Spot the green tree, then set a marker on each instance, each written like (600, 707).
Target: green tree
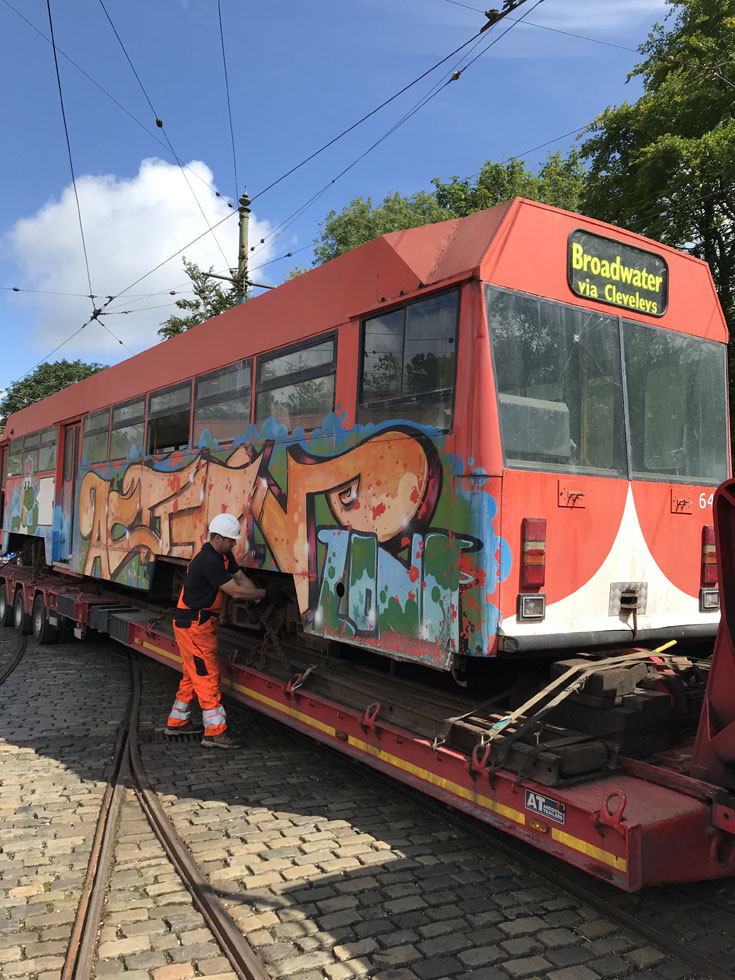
(559, 182)
(361, 221)
(44, 381)
(294, 273)
(210, 299)
(664, 166)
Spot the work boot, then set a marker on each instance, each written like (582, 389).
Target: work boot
(188, 729)
(222, 741)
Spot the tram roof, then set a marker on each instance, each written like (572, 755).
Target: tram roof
(520, 245)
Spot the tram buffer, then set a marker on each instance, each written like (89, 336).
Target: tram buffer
(211, 573)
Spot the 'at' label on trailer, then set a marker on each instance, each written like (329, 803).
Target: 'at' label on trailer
(546, 807)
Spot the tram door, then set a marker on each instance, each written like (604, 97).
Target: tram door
(72, 439)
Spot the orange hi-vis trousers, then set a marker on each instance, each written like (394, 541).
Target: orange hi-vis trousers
(198, 648)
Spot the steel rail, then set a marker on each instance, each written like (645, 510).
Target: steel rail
(126, 768)
(245, 963)
(79, 960)
(20, 653)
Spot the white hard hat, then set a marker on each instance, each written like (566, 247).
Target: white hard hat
(225, 524)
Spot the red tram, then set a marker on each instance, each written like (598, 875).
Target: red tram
(489, 441)
(492, 435)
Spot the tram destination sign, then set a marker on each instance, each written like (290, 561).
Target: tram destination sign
(608, 271)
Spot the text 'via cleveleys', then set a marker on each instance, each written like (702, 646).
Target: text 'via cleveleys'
(611, 272)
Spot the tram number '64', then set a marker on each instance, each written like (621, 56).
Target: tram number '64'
(705, 501)
(546, 807)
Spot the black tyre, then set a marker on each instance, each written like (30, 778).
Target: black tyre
(21, 619)
(6, 608)
(43, 631)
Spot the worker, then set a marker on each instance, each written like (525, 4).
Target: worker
(212, 572)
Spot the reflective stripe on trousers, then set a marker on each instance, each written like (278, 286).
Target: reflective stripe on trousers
(198, 648)
(179, 714)
(213, 717)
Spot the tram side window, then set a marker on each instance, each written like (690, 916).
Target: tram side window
(128, 429)
(409, 363)
(169, 413)
(296, 386)
(558, 377)
(95, 436)
(30, 451)
(15, 457)
(47, 451)
(222, 403)
(677, 401)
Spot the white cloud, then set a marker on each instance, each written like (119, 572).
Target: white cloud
(130, 225)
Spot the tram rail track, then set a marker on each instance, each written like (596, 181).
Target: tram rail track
(127, 769)
(20, 653)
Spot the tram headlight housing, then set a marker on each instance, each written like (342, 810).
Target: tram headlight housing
(709, 600)
(531, 606)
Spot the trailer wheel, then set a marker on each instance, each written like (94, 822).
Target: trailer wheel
(6, 609)
(43, 631)
(21, 619)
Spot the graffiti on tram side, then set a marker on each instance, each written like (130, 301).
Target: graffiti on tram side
(30, 505)
(383, 545)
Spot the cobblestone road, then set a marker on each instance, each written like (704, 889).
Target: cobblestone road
(327, 873)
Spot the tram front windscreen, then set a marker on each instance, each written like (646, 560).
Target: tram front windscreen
(584, 392)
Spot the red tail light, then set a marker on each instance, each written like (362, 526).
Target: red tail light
(709, 555)
(533, 552)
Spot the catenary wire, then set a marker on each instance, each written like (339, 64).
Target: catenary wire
(227, 90)
(431, 94)
(515, 156)
(327, 145)
(95, 312)
(310, 157)
(495, 40)
(104, 91)
(46, 292)
(364, 118)
(556, 30)
(68, 147)
(159, 123)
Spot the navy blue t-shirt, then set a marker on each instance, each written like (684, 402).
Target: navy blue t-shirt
(207, 573)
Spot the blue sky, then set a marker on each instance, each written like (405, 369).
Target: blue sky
(299, 74)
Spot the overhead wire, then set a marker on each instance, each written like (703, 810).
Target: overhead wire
(68, 148)
(556, 30)
(104, 91)
(311, 156)
(514, 156)
(261, 192)
(454, 75)
(326, 145)
(95, 312)
(227, 90)
(46, 292)
(301, 210)
(159, 123)
(364, 118)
